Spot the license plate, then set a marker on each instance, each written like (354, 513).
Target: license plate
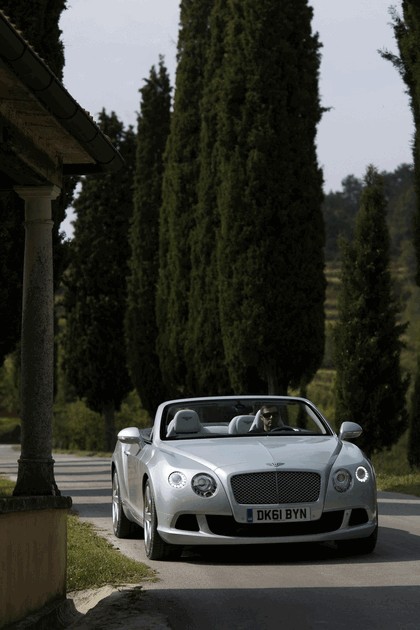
(278, 515)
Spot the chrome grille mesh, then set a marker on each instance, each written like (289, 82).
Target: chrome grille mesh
(276, 487)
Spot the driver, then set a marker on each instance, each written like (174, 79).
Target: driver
(270, 418)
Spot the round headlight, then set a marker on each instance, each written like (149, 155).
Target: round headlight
(203, 485)
(362, 474)
(177, 479)
(341, 480)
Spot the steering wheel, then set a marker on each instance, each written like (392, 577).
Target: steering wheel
(283, 428)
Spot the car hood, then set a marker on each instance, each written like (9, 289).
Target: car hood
(259, 453)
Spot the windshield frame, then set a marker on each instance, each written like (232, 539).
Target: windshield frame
(227, 407)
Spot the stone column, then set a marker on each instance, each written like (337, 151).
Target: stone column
(36, 466)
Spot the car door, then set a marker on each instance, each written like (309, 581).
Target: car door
(135, 457)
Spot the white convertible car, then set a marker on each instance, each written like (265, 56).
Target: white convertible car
(243, 471)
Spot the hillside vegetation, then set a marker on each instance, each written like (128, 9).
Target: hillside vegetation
(340, 209)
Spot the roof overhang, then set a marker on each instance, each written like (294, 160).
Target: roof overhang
(44, 133)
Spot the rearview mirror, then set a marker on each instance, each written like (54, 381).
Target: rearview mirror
(131, 435)
(349, 431)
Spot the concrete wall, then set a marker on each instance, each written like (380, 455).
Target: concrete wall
(33, 554)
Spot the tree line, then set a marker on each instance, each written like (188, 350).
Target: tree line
(223, 234)
(199, 268)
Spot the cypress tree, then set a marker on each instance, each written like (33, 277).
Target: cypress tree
(414, 423)
(38, 21)
(11, 270)
(140, 322)
(95, 295)
(207, 373)
(270, 246)
(370, 386)
(180, 194)
(407, 35)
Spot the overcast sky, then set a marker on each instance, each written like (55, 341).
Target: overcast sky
(110, 46)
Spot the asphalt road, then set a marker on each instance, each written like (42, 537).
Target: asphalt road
(285, 586)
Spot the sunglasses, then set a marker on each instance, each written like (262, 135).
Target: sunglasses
(270, 414)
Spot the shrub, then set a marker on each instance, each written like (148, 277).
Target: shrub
(76, 427)
(132, 414)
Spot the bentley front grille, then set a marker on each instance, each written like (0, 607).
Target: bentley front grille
(276, 487)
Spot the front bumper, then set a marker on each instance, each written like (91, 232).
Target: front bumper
(201, 529)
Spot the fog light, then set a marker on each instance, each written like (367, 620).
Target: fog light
(177, 479)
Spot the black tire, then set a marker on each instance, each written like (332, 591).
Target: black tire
(156, 548)
(359, 546)
(123, 528)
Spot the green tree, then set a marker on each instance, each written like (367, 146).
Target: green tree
(414, 424)
(370, 385)
(39, 22)
(12, 238)
(340, 209)
(140, 322)
(180, 194)
(271, 238)
(207, 373)
(407, 35)
(95, 292)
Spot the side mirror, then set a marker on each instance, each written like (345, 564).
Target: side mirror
(349, 431)
(131, 435)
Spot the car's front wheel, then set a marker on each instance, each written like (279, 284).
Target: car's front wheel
(120, 523)
(156, 548)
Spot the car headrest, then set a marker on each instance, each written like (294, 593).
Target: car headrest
(240, 424)
(186, 421)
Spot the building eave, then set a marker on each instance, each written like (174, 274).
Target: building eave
(34, 100)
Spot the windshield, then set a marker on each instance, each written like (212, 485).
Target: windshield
(195, 419)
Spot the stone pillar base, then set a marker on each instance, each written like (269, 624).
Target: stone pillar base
(33, 556)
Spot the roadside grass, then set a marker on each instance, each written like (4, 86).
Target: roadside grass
(393, 471)
(6, 486)
(92, 561)
(406, 484)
